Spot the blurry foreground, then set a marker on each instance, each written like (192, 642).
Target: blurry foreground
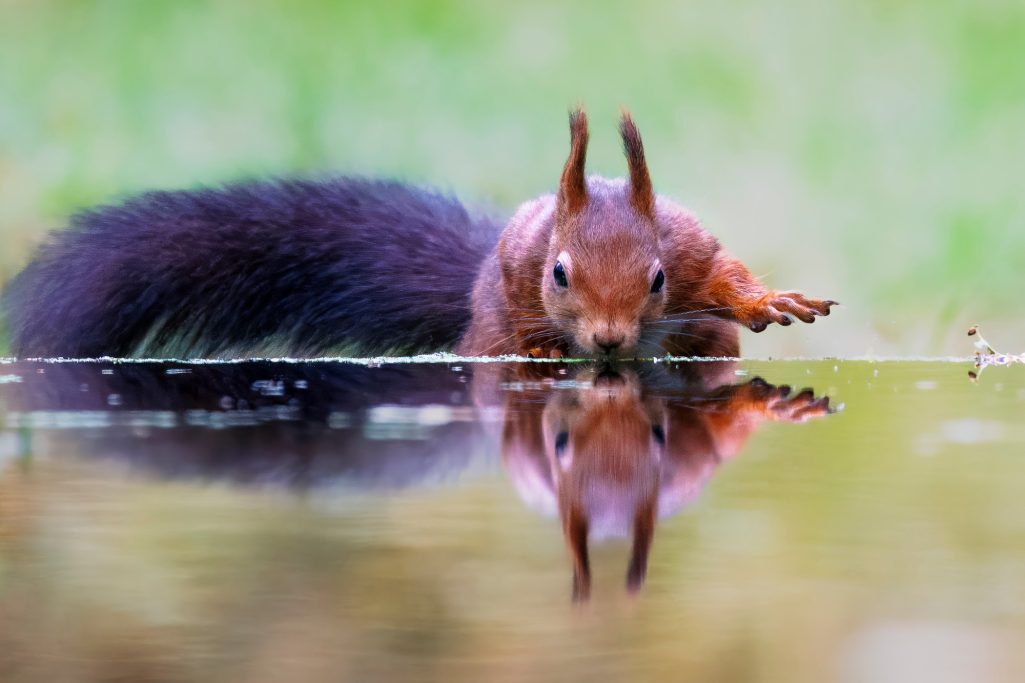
(325, 522)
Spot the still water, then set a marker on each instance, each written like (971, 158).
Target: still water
(716, 521)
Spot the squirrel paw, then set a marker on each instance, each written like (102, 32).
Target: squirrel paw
(799, 407)
(774, 307)
(778, 403)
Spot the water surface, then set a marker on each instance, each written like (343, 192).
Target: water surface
(336, 522)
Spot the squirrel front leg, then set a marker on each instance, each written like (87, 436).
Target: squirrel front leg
(553, 352)
(740, 296)
(738, 410)
(540, 342)
(770, 401)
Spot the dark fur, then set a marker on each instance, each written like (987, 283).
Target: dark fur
(219, 424)
(365, 265)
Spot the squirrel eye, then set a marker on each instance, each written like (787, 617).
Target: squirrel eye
(660, 280)
(559, 273)
(660, 436)
(561, 439)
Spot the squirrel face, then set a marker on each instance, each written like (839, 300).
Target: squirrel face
(603, 277)
(608, 442)
(595, 455)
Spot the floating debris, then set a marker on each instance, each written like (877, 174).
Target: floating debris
(986, 355)
(269, 387)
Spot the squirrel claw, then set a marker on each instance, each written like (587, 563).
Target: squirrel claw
(778, 307)
(779, 402)
(801, 407)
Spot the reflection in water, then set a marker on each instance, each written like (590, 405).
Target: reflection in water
(607, 449)
(618, 448)
(300, 426)
(323, 522)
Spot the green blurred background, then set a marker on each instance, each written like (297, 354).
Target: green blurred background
(869, 152)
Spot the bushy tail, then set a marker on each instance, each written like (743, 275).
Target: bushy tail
(300, 268)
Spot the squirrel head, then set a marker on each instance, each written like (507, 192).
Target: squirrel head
(603, 278)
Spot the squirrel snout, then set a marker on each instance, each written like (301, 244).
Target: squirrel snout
(607, 338)
(608, 343)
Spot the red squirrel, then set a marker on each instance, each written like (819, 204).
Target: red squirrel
(344, 265)
(614, 451)
(607, 268)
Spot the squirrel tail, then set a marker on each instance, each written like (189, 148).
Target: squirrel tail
(293, 267)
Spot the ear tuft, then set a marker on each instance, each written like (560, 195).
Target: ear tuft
(572, 188)
(575, 527)
(642, 197)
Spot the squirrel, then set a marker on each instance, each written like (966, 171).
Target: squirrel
(602, 268)
(608, 450)
(620, 448)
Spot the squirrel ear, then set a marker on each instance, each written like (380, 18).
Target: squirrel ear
(644, 530)
(575, 528)
(572, 189)
(642, 197)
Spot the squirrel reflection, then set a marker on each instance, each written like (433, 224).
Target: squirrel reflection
(613, 451)
(608, 450)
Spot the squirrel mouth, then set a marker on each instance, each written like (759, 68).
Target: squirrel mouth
(607, 376)
(613, 355)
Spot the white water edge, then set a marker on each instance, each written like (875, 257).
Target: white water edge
(453, 358)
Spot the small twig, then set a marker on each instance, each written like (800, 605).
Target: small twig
(986, 355)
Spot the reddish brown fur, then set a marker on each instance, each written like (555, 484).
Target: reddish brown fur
(572, 184)
(611, 238)
(642, 196)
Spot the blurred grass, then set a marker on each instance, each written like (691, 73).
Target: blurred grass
(868, 152)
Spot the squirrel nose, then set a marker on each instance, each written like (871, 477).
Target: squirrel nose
(608, 344)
